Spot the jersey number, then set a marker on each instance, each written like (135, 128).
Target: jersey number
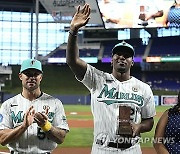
(40, 134)
(133, 116)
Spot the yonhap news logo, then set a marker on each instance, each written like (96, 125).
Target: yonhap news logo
(163, 140)
(104, 139)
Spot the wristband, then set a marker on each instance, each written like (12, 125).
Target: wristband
(47, 126)
(73, 33)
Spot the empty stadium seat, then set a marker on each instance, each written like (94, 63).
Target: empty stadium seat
(165, 46)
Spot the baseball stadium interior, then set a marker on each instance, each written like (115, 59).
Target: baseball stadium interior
(39, 29)
(32, 29)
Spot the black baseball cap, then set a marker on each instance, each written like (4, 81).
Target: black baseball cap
(124, 47)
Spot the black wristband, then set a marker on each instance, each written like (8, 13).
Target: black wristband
(73, 33)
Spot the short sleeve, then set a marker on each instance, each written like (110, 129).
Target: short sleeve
(91, 77)
(148, 110)
(60, 117)
(5, 119)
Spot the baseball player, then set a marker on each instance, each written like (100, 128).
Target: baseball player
(110, 91)
(32, 121)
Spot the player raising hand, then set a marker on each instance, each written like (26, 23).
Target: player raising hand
(111, 94)
(81, 18)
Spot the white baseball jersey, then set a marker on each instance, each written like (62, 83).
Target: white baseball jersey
(107, 94)
(33, 140)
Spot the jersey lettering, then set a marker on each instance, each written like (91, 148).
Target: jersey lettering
(17, 118)
(40, 133)
(51, 116)
(112, 96)
(133, 116)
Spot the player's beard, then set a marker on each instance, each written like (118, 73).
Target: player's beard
(31, 88)
(122, 70)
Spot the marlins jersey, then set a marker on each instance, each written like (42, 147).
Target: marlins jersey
(107, 94)
(33, 140)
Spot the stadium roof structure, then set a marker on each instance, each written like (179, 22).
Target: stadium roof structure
(61, 11)
(20, 5)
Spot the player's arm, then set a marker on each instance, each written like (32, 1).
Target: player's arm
(56, 134)
(147, 113)
(111, 19)
(159, 134)
(53, 133)
(79, 20)
(145, 126)
(155, 15)
(9, 135)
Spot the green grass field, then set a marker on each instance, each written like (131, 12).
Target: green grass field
(83, 137)
(60, 80)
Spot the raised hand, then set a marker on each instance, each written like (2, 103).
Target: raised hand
(80, 18)
(29, 117)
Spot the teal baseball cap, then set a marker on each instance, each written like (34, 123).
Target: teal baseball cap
(31, 63)
(123, 47)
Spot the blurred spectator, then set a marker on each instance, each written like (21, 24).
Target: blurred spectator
(111, 13)
(173, 16)
(167, 131)
(149, 10)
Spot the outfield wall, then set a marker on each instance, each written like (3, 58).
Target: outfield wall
(66, 99)
(166, 100)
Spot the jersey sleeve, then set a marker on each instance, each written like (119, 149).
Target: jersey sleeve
(5, 120)
(91, 77)
(148, 110)
(60, 117)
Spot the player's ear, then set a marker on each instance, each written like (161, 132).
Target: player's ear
(132, 63)
(111, 62)
(20, 76)
(41, 77)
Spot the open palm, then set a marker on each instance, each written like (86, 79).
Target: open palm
(81, 17)
(29, 117)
